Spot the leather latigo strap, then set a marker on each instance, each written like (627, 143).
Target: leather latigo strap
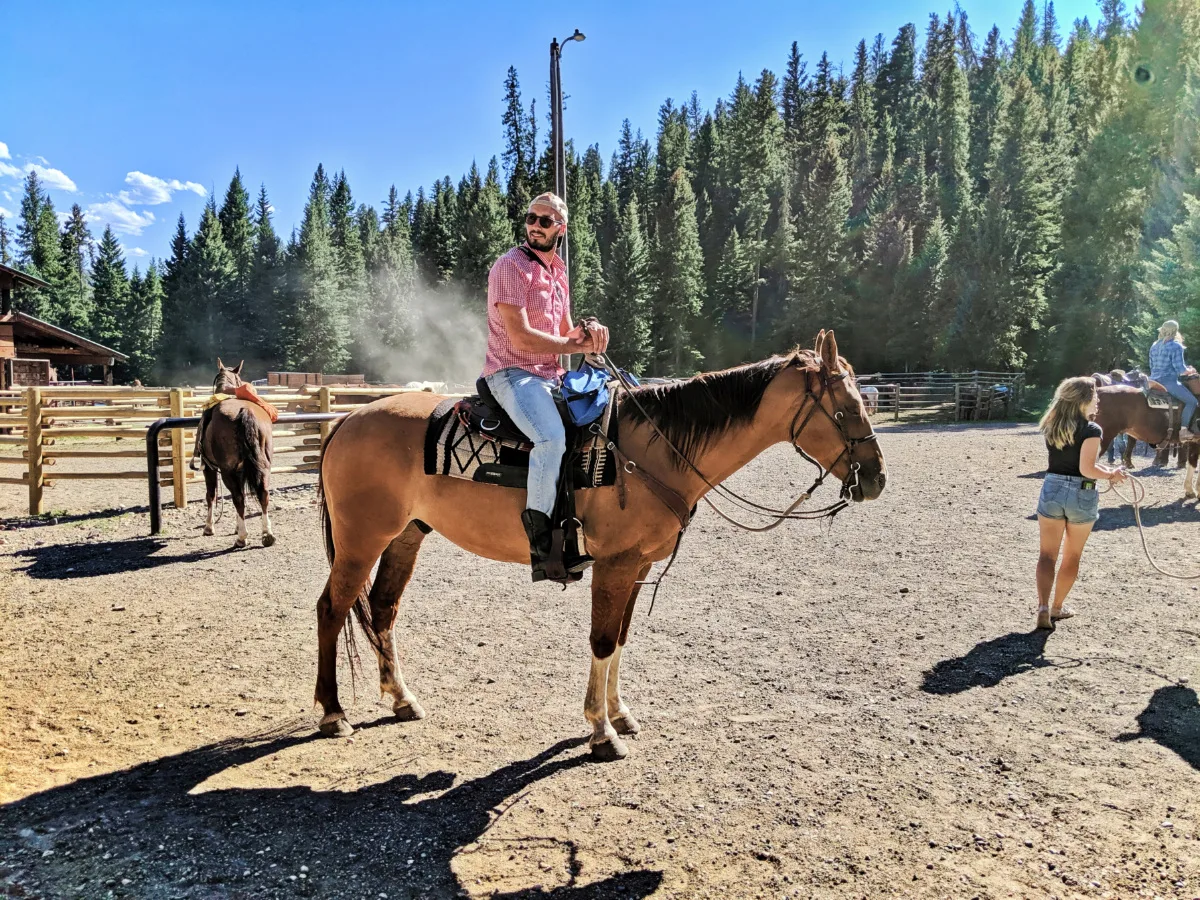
(670, 499)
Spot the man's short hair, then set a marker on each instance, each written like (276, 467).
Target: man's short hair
(552, 200)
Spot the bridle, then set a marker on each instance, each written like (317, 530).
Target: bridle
(838, 419)
(798, 425)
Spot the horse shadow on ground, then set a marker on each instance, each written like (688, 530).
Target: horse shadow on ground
(396, 838)
(87, 559)
(988, 663)
(1113, 518)
(1172, 719)
(48, 520)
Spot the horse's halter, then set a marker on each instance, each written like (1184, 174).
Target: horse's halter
(826, 380)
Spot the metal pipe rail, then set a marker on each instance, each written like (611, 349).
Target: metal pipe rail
(152, 461)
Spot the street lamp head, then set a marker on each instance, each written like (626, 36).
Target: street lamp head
(577, 36)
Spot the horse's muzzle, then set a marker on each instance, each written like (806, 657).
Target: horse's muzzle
(869, 487)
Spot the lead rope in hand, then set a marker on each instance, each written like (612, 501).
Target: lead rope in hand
(1138, 495)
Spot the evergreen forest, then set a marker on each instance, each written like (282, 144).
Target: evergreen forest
(1020, 199)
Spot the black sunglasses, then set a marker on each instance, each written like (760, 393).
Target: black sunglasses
(544, 221)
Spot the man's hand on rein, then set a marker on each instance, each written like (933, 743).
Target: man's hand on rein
(594, 338)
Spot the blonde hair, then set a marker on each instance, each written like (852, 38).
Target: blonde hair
(1066, 411)
(1169, 331)
(555, 202)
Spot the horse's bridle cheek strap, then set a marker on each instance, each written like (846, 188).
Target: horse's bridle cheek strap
(837, 418)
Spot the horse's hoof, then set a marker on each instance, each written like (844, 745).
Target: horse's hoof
(338, 727)
(408, 711)
(609, 751)
(1189, 495)
(268, 540)
(626, 724)
(208, 532)
(240, 543)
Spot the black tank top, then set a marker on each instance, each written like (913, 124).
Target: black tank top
(1066, 460)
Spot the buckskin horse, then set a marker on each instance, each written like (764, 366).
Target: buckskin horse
(377, 504)
(1125, 409)
(236, 442)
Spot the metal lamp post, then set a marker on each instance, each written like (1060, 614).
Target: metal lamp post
(556, 125)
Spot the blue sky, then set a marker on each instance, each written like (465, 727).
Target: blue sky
(137, 110)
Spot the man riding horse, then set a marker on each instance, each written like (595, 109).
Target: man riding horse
(529, 326)
(1166, 367)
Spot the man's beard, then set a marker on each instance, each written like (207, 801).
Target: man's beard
(545, 246)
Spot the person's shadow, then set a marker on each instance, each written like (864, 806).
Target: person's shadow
(988, 663)
(1171, 718)
(147, 824)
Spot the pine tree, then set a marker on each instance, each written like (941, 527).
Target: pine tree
(393, 280)
(144, 322)
(485, 233)
(179, 327)
(819, 275)
(73, 302)
(727, 309)
(627, 294)
(988, 98)
(322, 339)
(518, 160)
(861, 152)
(238, 312)
(110, 283)
(350, 264)
(680, 287)
(32, 201)
(274, 322)
(5, 243)
(213, 276)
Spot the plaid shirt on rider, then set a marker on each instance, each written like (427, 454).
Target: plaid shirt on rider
(1166, 360)
(541, 287)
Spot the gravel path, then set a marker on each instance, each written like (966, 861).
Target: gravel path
(861, 710)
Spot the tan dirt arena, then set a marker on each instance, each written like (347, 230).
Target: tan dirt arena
(860, 710)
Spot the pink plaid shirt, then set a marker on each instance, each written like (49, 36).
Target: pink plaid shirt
(541, 287)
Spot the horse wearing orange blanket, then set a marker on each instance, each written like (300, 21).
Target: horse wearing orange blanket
(235, 441)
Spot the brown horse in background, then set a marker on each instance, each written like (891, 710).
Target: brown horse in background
(378, 504)
(236, 442)
(1124, 409)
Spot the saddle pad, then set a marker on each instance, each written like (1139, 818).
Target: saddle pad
(458, 451)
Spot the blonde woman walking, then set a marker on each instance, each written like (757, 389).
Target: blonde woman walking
(1069, 503)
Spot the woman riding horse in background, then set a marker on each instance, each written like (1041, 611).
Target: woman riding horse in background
(1166, 365)
(1069, 504)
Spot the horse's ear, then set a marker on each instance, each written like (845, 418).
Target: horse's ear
(818, 341)
(220, 365)
(238, 370)
(829, 351)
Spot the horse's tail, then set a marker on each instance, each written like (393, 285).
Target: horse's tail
(255, 464)
(362, 605)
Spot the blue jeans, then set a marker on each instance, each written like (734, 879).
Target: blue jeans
(1180, 391)
(528, 400)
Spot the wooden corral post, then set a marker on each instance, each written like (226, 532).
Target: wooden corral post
(33, 440)
(324, 399)
(178, 473)
(957, 401)
(896, 409)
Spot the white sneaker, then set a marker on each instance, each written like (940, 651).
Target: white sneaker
(1186, 435)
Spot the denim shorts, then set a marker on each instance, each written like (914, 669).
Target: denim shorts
(1063, 497)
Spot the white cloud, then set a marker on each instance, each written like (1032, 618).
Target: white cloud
(122, 219)
(52, 178)
(134, 251)
(147, 190)
(4, 154)
(6, 194)
(7, 213)
(9, 170)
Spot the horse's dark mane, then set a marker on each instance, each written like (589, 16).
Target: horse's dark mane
(697, 411)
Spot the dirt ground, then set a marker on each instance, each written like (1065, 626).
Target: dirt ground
(861, 710)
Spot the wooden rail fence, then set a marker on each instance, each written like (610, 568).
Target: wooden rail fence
(39, 427)
(960, 395)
